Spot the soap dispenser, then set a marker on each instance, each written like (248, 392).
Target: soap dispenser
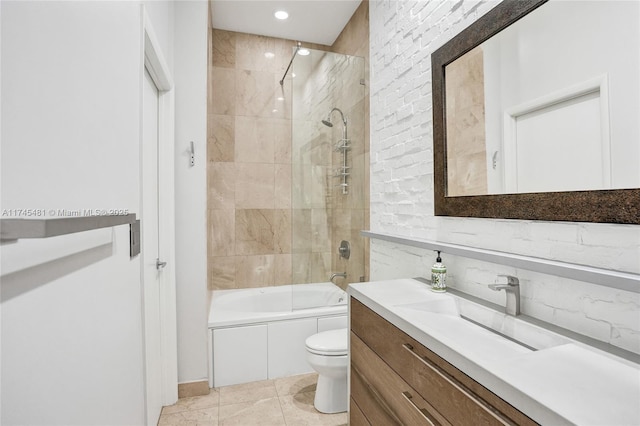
(439, 276)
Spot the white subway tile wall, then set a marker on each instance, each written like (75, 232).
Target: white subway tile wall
(403, 36)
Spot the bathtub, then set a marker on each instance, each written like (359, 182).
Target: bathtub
(259, 333)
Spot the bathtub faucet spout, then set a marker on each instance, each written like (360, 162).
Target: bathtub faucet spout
(337, 274)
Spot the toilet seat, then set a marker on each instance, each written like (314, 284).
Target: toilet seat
(329, 343)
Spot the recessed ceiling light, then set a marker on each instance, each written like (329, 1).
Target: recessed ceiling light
(269, 55)
(281, 14)
(280, 98)
(303, 51)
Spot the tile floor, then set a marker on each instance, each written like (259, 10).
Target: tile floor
(279, 402)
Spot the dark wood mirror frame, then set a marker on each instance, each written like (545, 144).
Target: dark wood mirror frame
(605, 206)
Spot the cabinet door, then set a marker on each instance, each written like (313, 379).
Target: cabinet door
(287, 352)
(239, 355)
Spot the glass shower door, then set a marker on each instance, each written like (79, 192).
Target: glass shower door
(329, 200)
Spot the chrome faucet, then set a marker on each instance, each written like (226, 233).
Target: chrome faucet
(512, 288)
(337, 274)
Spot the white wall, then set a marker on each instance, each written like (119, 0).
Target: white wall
(191, 192)
(71, 318)
(403, 35)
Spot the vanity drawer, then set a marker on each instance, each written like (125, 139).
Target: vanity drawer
(356, 416)
(396, 401)
(368, 401)
(460, 399)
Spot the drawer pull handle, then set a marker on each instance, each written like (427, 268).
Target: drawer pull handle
(453, 382)
(423, 411)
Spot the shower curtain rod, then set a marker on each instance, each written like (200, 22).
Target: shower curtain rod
(298, 46)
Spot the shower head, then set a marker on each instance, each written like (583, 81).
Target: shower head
(328, 122)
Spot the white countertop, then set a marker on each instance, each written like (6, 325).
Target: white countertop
(565, 383)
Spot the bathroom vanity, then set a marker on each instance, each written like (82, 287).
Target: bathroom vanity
(391, 369)
(418, 358)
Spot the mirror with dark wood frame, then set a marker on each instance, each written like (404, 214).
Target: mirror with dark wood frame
(601, 205)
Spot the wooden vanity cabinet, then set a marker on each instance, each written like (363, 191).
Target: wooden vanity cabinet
(397, 380)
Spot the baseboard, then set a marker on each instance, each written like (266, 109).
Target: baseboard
(200, 388)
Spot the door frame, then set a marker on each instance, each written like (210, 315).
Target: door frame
(153, 60)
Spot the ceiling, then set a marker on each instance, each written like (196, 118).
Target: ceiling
(311, 21)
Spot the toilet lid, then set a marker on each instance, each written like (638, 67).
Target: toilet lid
(332, 342)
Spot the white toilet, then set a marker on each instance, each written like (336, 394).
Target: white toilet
(327, 354)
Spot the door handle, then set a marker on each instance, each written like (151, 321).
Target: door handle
(160, 265)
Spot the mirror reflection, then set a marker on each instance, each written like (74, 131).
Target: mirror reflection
(549, 104)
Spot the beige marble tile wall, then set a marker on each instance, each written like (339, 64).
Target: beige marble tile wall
(249, 155)
(255, 211)
(466, 147)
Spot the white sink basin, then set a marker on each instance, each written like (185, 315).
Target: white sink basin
(443, 305)
(511, 327)
(443, 320)
(478, 316)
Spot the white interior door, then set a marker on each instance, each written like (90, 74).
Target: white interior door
(151, 265)
(547, 143)
(561, 131)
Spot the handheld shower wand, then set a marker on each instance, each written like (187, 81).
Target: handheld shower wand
(342, 145)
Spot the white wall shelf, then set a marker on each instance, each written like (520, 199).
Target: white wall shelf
(606, 277)
(14, 229)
